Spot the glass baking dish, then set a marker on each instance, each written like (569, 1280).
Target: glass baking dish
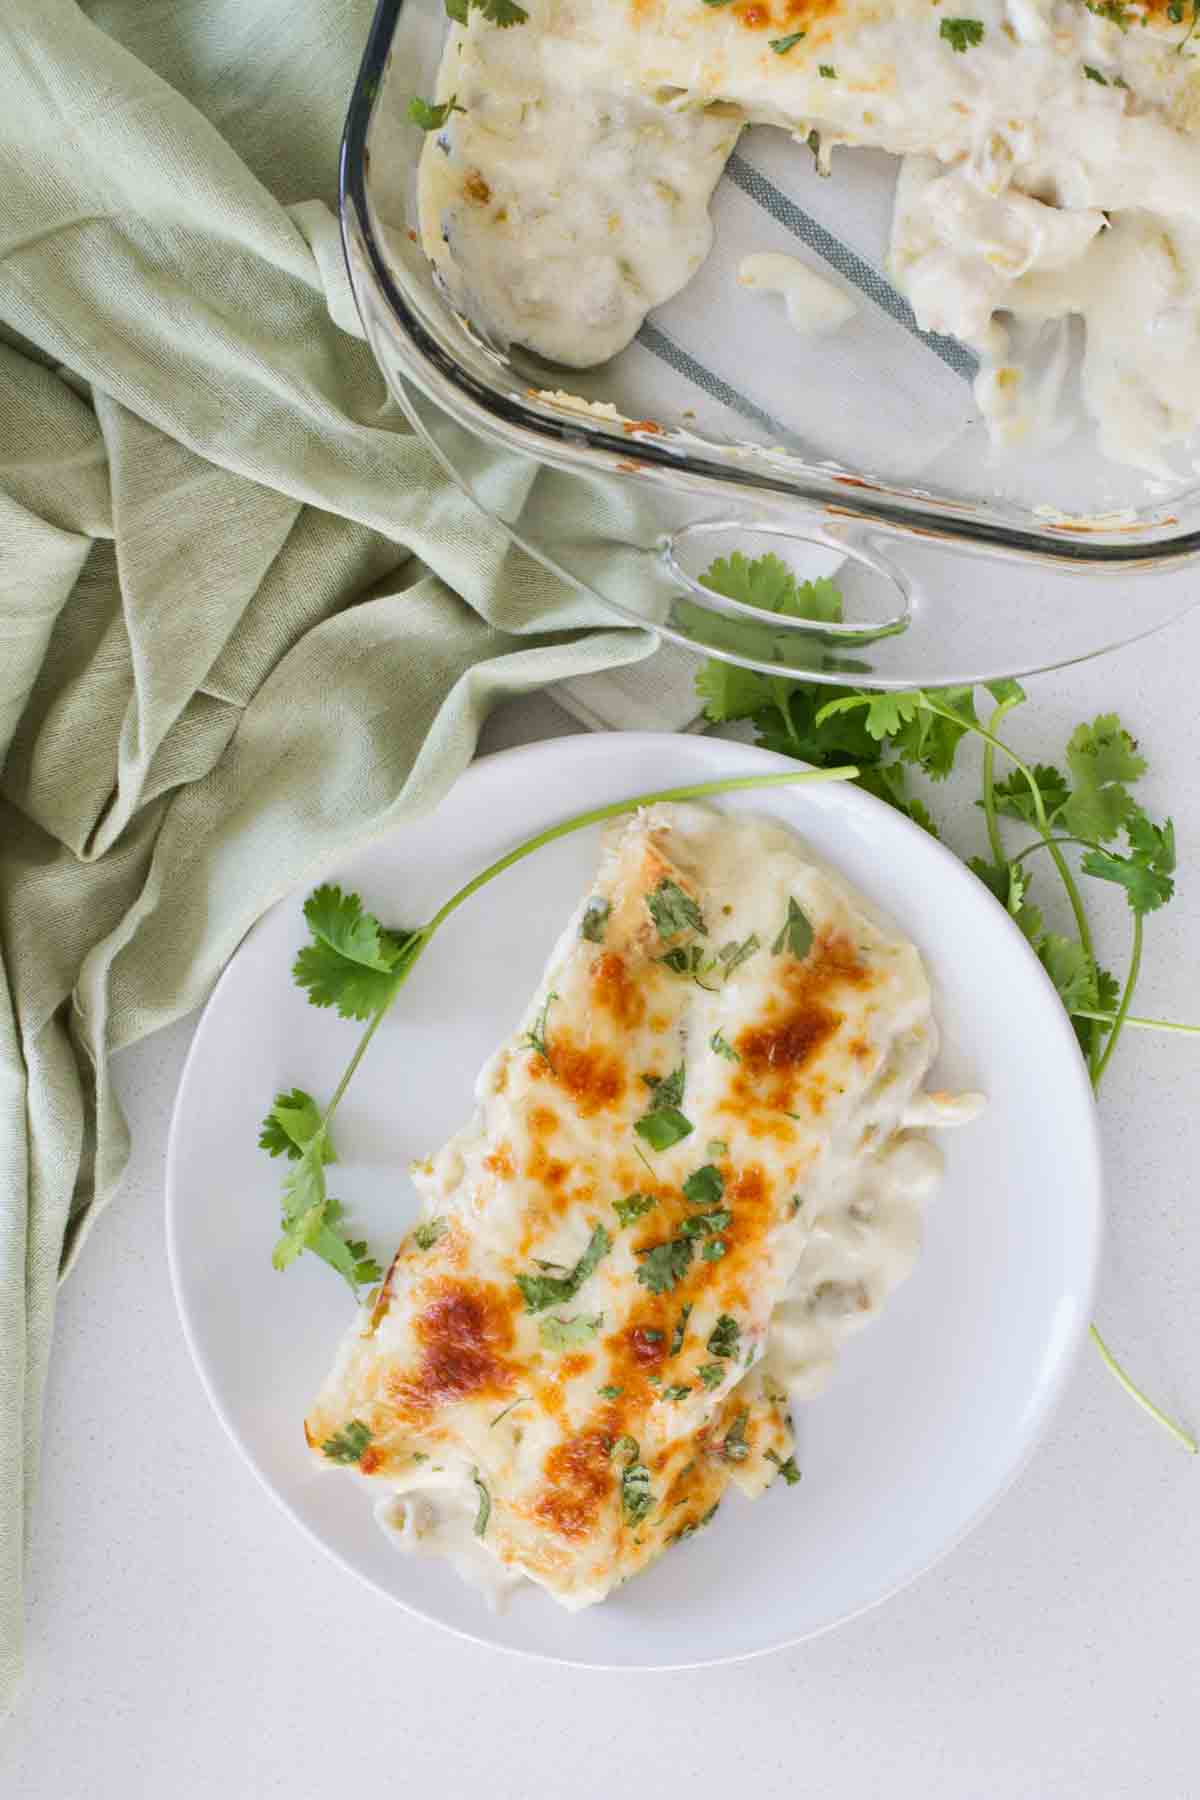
(719, 430)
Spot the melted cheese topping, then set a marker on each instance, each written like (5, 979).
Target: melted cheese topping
(1058, 175)
(605, 1425)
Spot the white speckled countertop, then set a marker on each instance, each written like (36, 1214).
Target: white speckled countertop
(186, 1641)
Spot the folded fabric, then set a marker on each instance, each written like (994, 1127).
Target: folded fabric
(244, 621)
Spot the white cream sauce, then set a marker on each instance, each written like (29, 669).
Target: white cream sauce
(814, 305)
(571, 195)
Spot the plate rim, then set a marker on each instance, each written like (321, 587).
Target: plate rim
(1051, 1394)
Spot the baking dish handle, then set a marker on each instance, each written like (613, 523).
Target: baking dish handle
(878, 595)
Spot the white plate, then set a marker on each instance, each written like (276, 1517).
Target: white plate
(932, 1412)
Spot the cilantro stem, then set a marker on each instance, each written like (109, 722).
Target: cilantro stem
(1045, 843)
(989, 780)
(1135, 1393)
(1135, 963)
(1132, 1020)
(694, 791)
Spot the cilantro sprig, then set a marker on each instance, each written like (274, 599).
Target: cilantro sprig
(356, 967)
(1082, 817)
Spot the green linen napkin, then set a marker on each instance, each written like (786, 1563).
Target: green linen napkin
(244, 622)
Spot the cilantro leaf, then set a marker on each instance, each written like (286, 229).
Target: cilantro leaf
(782, 45)
(558, 1333)
(1108, 993)
(1015, 801)
(595, 919)
(679, 1392)
(665, 1126)
(961, 34)
(664, 1267)
(501, 12)
(931, 739)
(1070, 969)
(884, 715)
(732, 955)
(666, 1089)
(720, 1043)
(729, 692)
(1146, 872)
(292, 1123)
(711, 1374)
(1102, 757)
(691, 963)
(766, 582)
(352, 962)
(634, 1206)
(796, 934)
(428, 1232)
(672, 910)
(704, 1186)
(542, 1291)
(427, 116)
(704, 1224)
(713, 1250)
(609, 1392)
(348, 1444)
(724, 1336)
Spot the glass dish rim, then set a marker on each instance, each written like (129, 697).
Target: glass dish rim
(584, 445)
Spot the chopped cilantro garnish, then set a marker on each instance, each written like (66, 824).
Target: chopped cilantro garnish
(665, 1265)
(723, 1338)
(673, 911)
(428, 117)
(720, 1043)
(677, 1336)
(711, 1374)
(535, 1037)
(782, 45)
(666, 1089)
(348, 1444)
(594, 923)
(428, 1232)
(713, 1250)
(828, 71)
(497, 12)
(664, 1124)
(484, 1511)
(705, 1224)
(734, 1447)
(961, 34)
(704, 1186)
(732, 955)
(663, 1128)
(541, 1291)
(796, 934)
(609, 1392)
(636, 1497)
(1094, 75)
(789, 1469)
(569, 1334)
(691, 963)
(678, 1392)
(634, 1206)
